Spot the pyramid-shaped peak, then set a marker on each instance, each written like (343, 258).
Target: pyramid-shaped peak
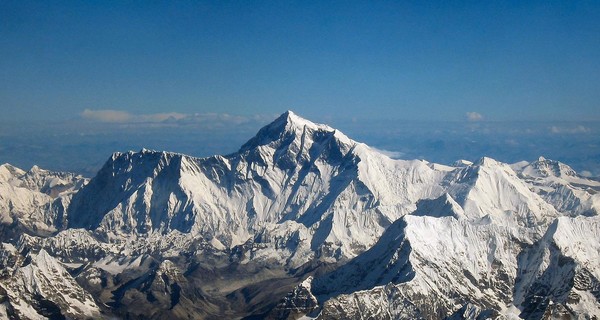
(289, 124)
(291, 120)
(45, 261)
(443, 206)
(289, 113)
(8, 170)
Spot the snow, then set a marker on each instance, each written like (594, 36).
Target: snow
(47, 278)
(578, 238)
(560, 186)
(111, 265)
(36, 198)
(408, 235)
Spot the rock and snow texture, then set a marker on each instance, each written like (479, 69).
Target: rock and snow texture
(560, 186)
(559, 274)
(44, 289)
(306, 189)
(35, 200)
(303, 221)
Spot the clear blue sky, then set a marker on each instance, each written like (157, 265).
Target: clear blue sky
(373, 59)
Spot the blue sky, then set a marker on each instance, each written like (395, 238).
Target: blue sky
(521, 60)
(439, 81)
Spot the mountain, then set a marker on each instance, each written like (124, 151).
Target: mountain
(300, 221)
(431, 267)
(306, 190)
(34, 201)
(560, 186)
(43, 289)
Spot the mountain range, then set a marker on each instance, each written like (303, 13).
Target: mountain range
(301, 222)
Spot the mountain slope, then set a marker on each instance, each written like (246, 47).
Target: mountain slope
(492, 191)
(43, 288)
(34, 201)
(295, 182)
(560, 186)
(301, 220)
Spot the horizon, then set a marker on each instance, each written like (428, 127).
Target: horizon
(83, 146)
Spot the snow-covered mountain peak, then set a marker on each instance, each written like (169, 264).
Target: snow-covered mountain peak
(487, 162)
(45, 279)
(492, 190)
(164, 235)
(35, 200)
(544, 168)
(294, 120)
(561, 186)
(40, 180)
(44, 261)
(126, 178)
(131, 154)
(290, 127)
(9, 172)
(10, 168)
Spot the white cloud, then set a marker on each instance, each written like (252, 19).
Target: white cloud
(113, 116)
(170, 118)
(118, 116)
(160, 117)
(571, 130)
(391, 154)
(586, 173)
(474, 116)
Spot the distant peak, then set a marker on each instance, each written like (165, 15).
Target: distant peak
(289, 113)
(553, 167)
(35, 170)
(10, 167)
(487, 161)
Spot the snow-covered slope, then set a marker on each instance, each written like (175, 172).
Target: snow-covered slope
(426, 267)
(432, 268)
(561, 186)
(303, 221)
(559, 275)
(35, 200)
(491, 191)
(43, 289)
(304, 188)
